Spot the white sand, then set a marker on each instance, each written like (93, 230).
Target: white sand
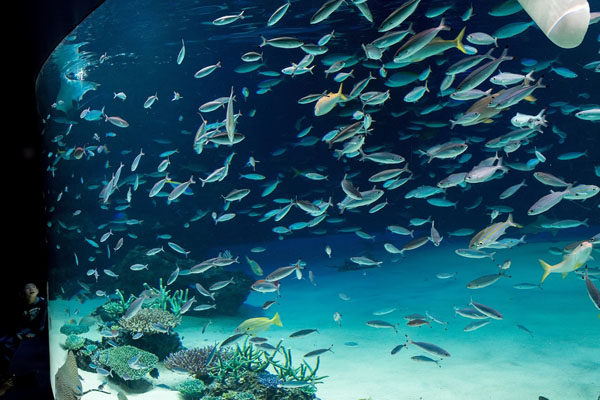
(498, 362)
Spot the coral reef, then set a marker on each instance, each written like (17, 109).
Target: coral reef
(115, 308)
(156, 325)
(268, 380)
(74, 329)
(117, 360)
(248, 385)
(243, 359)
(163, 299)
(196, 361)
(303, 373)
(233, 395)
(228, 299)
(159, 344)
(151, 320)
(192, 388)
(240, 373)
(74, 342)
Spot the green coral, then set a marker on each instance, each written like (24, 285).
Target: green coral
(192, 388)
(246, 359)
(243, 359)
(244, 396)
(303, 373)
(116, 308)
(233, 395)
(74, 329)
(117, 359)
(74, 342)
(89, 349)
(162, 297)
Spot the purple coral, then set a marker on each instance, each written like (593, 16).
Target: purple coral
(268, 380)
(193, 361)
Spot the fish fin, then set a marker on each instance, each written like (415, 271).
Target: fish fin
(458, 40)
(513, 223)
(276, 320)
(547, 269)
(577, 266)
(264, 41)
(564, 275)
(340, 94)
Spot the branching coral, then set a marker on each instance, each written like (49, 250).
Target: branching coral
(161, 297)
(196, 361)
(243, 359)
(115, 308)
(247, 359)
(303, 373)
(151, 320)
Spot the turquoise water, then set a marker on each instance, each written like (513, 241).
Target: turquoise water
(120, 85)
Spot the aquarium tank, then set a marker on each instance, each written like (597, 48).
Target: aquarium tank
(334, 200)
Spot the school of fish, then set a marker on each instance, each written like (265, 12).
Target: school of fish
(417, 64)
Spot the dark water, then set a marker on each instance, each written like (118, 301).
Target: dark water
(141, 42)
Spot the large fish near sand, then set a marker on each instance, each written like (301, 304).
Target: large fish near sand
(571, 262)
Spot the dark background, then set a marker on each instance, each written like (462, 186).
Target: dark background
(32, 30)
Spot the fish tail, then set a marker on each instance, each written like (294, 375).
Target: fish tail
(264, 41)
(547, 269)
(458, 40)
(513, 223)
(276, 320)
(443, 25)
(340, 92)
(539, 83)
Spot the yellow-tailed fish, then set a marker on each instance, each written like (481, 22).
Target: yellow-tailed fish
(570, 262)
(253, 325)
(438, 46)
(328, 102)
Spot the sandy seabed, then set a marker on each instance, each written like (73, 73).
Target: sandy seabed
(558, 358)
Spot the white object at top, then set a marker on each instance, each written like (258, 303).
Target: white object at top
(564, 22)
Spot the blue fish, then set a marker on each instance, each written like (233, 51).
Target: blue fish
(564, 72)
